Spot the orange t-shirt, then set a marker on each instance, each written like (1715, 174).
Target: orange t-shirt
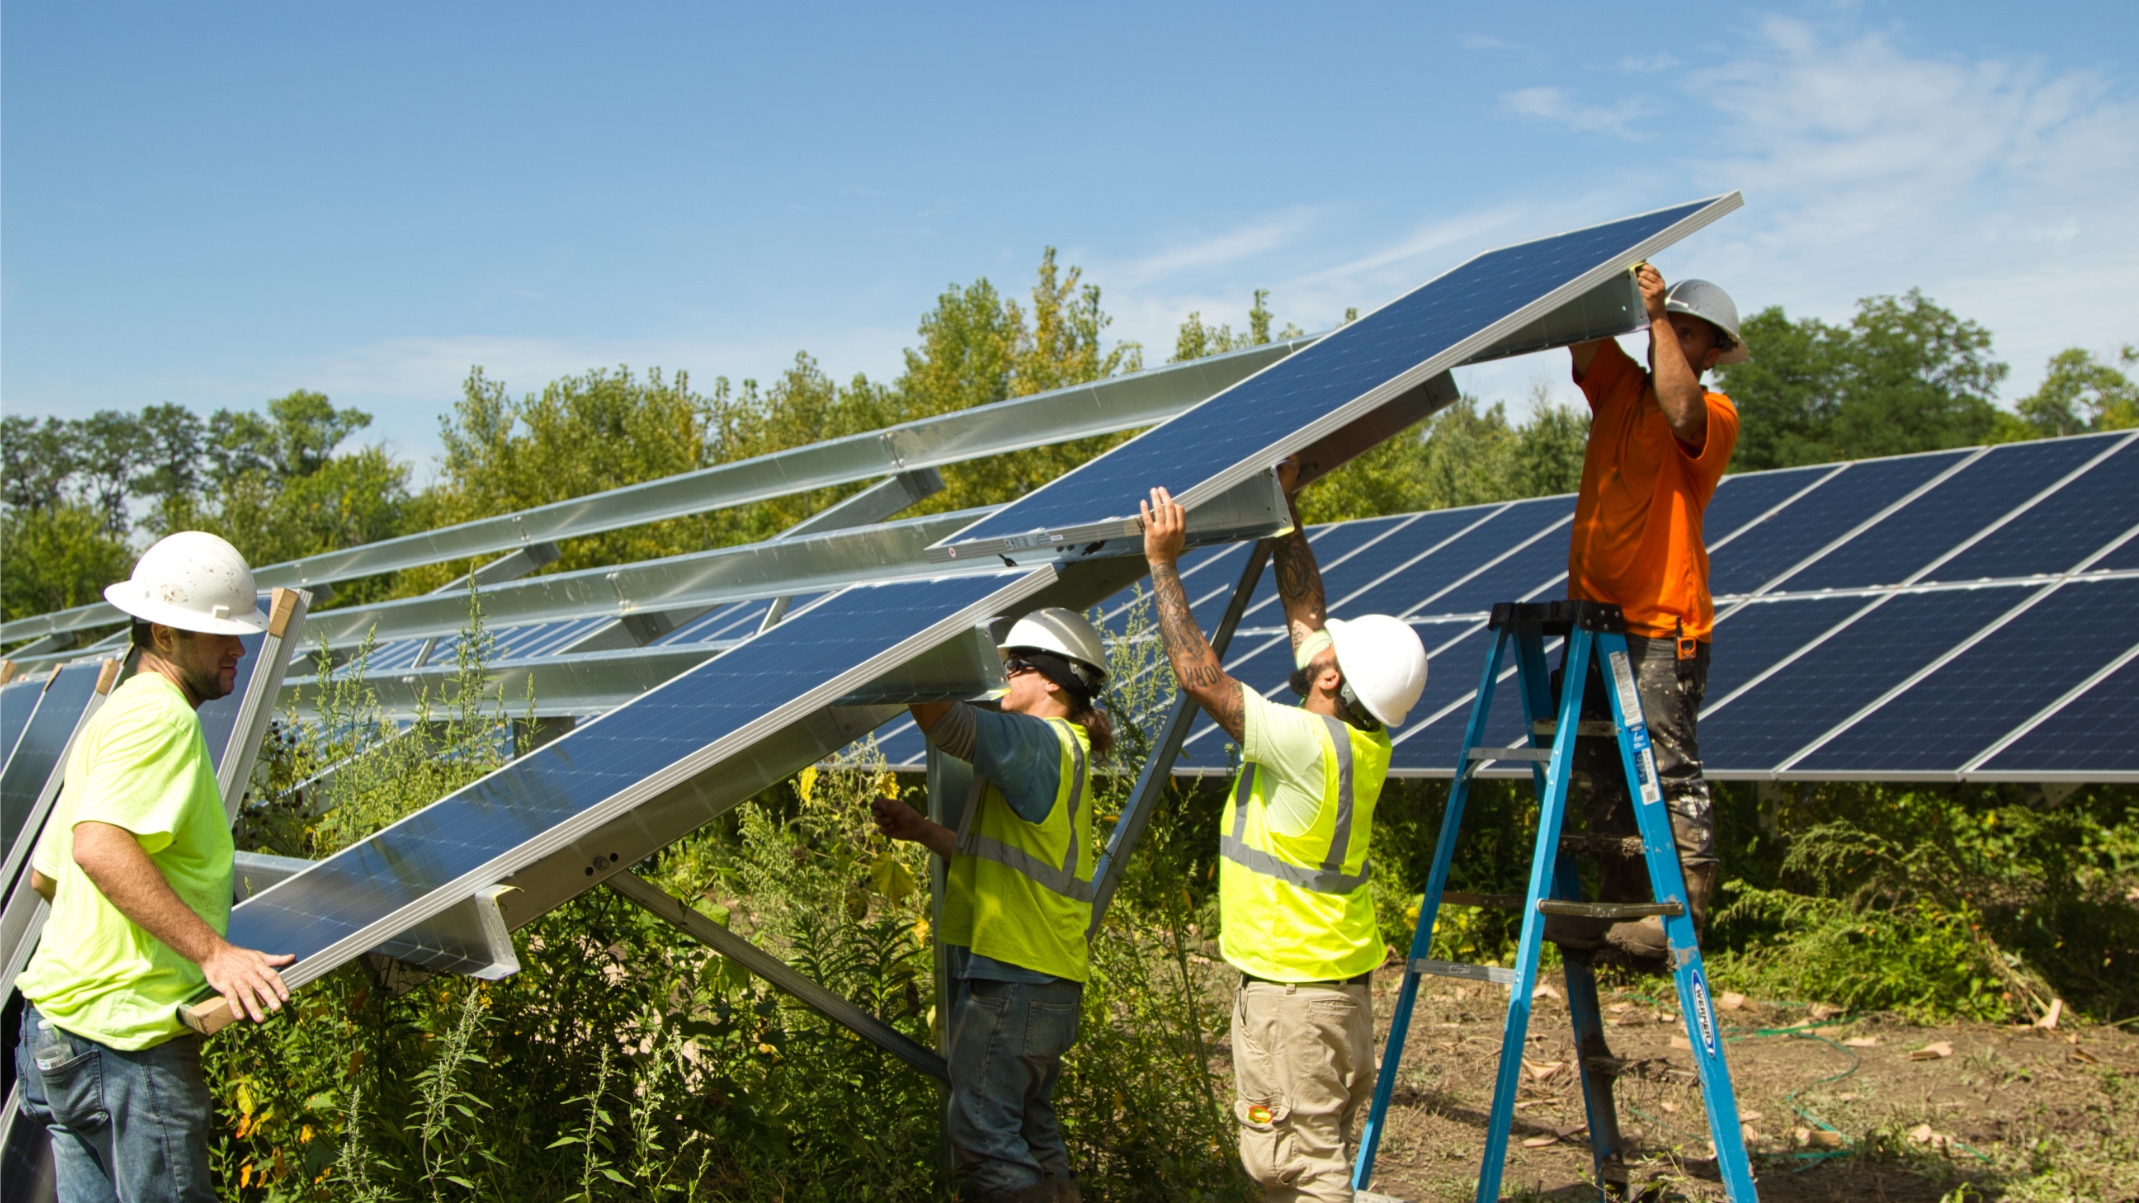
(1637, 534)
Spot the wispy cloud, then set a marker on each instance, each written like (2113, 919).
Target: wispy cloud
(1644, 64)
(2001, 188)
(1258, 236)
(1480, 41)
(1558, 106)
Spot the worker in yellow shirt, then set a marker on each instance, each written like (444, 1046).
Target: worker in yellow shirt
(136, 863)
(1296, 909)
(1018, 901)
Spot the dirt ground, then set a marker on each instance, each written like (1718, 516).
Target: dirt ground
(1856, 1108)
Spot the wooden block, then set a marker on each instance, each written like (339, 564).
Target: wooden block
(208, 1016)
(282, 604)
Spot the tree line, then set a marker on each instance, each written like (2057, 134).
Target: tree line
(80, 497)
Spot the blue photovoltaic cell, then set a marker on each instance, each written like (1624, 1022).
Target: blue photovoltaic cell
(1455, 657)
(1398, 544)
(2070, 525)
(1742, 498)
(1818, 518)
(695, 630)
(219, 718)
(2124, 559)
(901, 744)
(1958, 712)
(1757, 637)
(1955, 510)
(1527, 574)
(558, 781)
(2093, 733)
(17, 700)
(1781, 715)
(44, 740)
(1345, 365)
(1441, 571)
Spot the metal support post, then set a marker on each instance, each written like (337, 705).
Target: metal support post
(1158, 766)
(783, 978)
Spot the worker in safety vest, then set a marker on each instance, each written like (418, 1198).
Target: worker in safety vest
(136, 862)
(1296, 910)
(1658, 445)
(1018, 900)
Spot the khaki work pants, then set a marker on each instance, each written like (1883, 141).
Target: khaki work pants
(1303, 1068)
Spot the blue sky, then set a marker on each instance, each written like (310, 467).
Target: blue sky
(215, 205)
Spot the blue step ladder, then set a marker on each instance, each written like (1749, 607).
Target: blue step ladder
(1593, 632)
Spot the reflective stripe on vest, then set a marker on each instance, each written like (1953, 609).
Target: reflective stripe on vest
(1061, 880)
(1329, 879)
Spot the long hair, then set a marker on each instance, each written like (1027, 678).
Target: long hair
(1097, 726)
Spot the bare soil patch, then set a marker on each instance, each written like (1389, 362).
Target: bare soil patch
(1835, 1108)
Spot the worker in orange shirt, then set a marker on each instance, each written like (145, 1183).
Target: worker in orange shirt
(1658, 444)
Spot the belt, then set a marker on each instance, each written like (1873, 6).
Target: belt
(1360, 980)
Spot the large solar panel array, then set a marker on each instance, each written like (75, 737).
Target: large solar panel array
(720, 712)
(1969, 614)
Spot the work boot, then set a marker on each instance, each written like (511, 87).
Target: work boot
(1700, 887)
(1578, 937)
(1639, 944)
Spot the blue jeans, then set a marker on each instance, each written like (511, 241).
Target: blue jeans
(1007, 1041)
(126, 1127)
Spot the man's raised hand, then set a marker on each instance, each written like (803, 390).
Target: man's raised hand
(1651, 283)
(1165, 527)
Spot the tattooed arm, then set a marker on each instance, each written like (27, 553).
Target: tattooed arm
(1299, 582)
(1195, 665)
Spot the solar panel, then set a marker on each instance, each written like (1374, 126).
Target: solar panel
(17, 699)
(2089, 737)
(1741, 499)
(2078, 520)
(44, 742)
(1942, 722)
(220, 718)
(541, 801)
(1826, 513)
(1956, 509)
(1343, 377)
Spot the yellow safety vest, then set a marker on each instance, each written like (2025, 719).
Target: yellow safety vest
(1022, 892)
(1298, 908)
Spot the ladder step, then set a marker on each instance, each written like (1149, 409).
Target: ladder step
(1609, 910)
(1548, 727)
(1541, 755)
(1503, 902)
(1476, 973)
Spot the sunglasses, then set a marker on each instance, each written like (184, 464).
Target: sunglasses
(1012, 666)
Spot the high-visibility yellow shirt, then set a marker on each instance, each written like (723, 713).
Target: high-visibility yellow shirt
(141, 765)
(1020, 892)
(1294, 899)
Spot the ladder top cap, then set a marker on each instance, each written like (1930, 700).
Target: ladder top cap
(1560, 617)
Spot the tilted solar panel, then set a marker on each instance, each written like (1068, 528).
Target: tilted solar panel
(1344, 376)
(44, 740)
(17, 699)
(487, 831)
(219, 718)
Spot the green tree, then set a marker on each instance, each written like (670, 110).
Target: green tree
(36, 458)
(1904, 375)
(2081, 393)
(1196, 339)
(56, 556)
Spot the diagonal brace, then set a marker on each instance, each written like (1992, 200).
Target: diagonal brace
(780, 974)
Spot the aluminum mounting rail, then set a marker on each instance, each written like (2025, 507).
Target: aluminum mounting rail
(786, 566)
(1101, 407)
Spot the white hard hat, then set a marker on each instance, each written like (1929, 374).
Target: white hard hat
(1067, 634)
(1711, 304)
(1383, 663)
(193, 581)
